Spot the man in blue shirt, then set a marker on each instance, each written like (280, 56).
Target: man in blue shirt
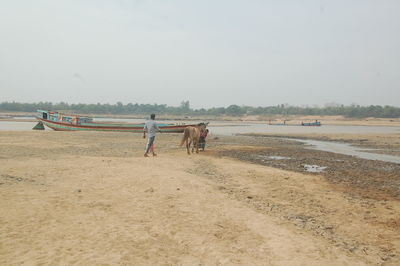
(151, 128)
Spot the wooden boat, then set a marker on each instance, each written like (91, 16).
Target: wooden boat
(312, 124)
(63, 122)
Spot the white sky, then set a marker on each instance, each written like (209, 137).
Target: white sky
(212, 53)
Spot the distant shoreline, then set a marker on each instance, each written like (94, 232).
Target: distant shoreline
(289, 120)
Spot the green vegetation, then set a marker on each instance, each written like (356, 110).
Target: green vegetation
(184, 109)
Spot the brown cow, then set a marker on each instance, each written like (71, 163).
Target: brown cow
(191, 134)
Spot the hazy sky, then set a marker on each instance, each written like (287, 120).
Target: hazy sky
(212, 53)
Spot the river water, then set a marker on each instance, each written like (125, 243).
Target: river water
(233, 128)
(16, 126)
(347, 149)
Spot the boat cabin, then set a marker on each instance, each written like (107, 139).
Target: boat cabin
(63, 118)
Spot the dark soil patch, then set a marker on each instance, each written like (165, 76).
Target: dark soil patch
(366, 178)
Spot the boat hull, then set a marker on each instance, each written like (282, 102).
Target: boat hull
(315, 124)
(61, 126)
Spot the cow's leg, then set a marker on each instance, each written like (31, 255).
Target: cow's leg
(188, 146)
(195, 144)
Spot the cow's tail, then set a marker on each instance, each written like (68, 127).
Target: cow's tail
(185, 136)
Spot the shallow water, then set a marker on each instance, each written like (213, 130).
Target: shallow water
(278, 157)
(16, 126)
(314, 168)
(347, 149)
(23, 117)
(232, 129)
(273, 157)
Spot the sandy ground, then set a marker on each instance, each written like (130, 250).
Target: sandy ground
(91, 198)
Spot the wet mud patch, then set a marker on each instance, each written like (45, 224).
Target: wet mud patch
(361, 177)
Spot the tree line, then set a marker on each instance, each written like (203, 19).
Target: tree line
(355, 111)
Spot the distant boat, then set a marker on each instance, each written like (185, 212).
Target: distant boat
(64, 122)
(312, 124)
